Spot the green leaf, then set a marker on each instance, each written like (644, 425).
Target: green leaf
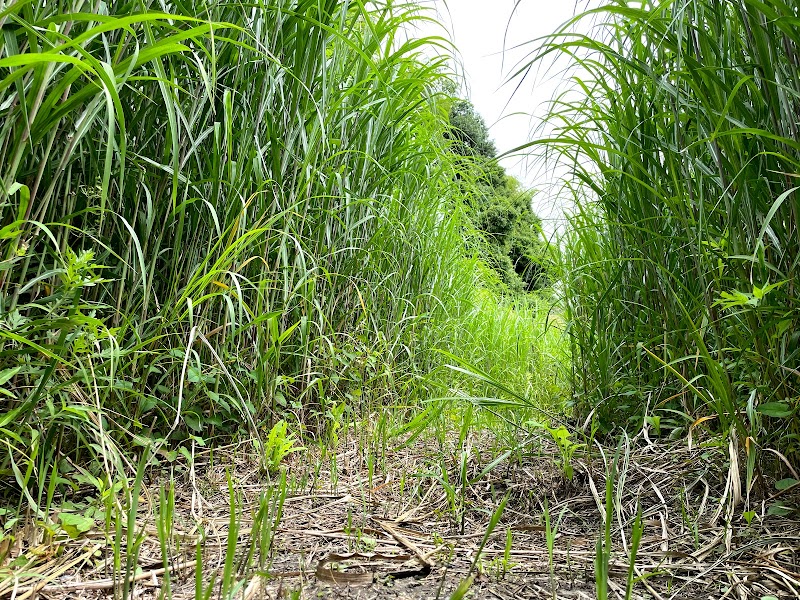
(24, 198)
(7, 374)
(785, 484)
(775, 409)
(193, 421)
(760, 292)
(461, 591)
(194, 375)
(655, 423)
(219, 400)
(10, 232)
(780, 510)
(736, 299)
(147, 403)
(75, 525)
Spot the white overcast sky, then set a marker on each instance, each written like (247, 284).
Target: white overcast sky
(490, 44)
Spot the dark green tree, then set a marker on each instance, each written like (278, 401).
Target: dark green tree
(469, 132)
(498, 206)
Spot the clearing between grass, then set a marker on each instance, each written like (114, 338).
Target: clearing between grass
(434, 519)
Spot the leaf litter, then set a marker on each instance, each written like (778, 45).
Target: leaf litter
(399, 532)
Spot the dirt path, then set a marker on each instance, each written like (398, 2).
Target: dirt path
(399, 534)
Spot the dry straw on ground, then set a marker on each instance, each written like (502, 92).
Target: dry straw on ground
(342, 537)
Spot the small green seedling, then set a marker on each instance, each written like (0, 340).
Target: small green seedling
(278, 445)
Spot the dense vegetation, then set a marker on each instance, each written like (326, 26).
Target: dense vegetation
(222, 217)
(262, 225)
(216, 220)
(510, 234)
(683, 253)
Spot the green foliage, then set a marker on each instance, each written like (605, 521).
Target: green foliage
(207, 213)
(510, 237)
(75, 525)
(278, 444)
(469, 133)
(681, 262)
(564, 442)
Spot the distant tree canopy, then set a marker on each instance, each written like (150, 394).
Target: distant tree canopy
(470, 134)
(498, 206)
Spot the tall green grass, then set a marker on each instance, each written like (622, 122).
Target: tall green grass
(682, 257)
(219, 216)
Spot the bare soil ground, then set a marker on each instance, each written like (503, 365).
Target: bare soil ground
(399, 534)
